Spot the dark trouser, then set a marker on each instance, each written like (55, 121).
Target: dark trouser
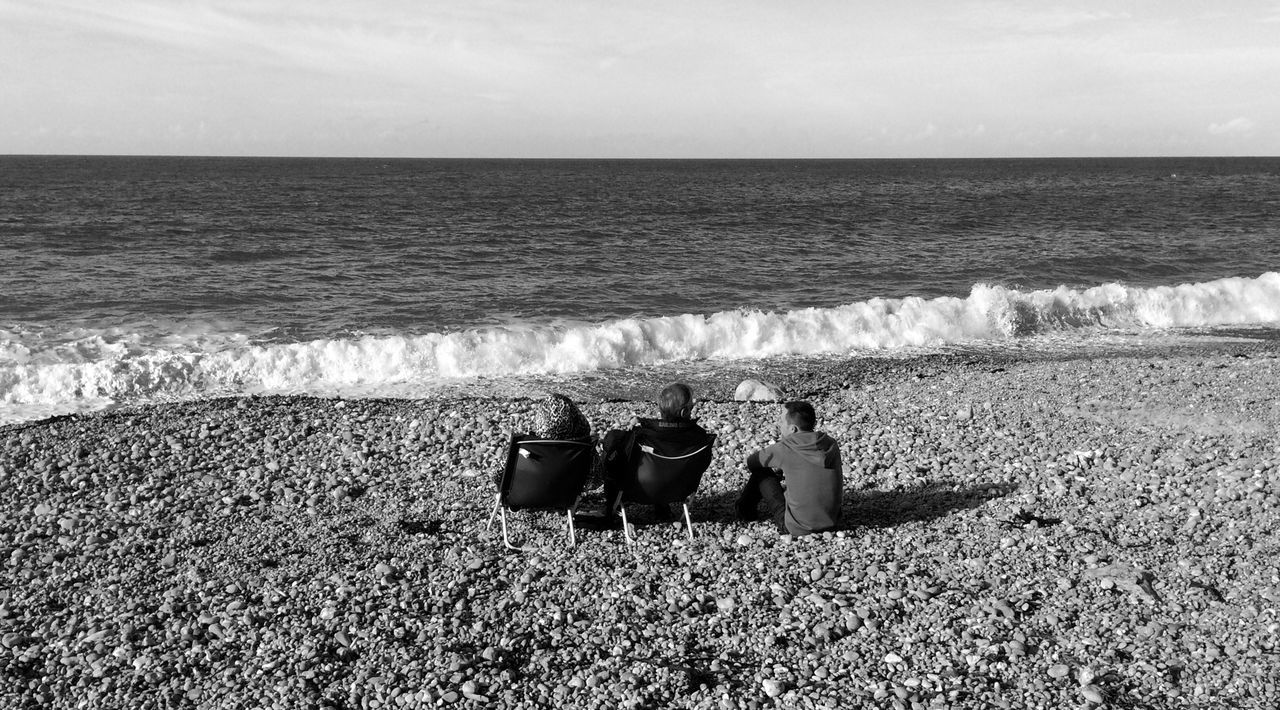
(615, 461)
(764, 484)
(617, 448)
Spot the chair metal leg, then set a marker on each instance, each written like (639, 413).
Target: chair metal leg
(573, 540)
(506, 540)
(497, 503)
(502, 515)
(688, 524)
(626, 527)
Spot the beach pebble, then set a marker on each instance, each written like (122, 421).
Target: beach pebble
(773, 688)
(195, 553)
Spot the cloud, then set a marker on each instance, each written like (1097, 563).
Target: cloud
(1233, 127)
(1030, 19)
(507, 77)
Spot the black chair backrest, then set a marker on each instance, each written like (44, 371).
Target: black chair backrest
(669, 478)
(545, 473)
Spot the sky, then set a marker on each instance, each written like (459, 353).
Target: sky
(640, 78)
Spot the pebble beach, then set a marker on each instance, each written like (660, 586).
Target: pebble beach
(1054, 532)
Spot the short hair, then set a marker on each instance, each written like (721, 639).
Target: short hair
(801, 415)
(673, 400)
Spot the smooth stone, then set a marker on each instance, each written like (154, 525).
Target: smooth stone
(757, 391)
(772, 688)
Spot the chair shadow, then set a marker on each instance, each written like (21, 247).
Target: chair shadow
(713, 507)
(927, 501)
(861, 508)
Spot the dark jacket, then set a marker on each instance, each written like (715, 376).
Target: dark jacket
(665, 437)
(670, 438)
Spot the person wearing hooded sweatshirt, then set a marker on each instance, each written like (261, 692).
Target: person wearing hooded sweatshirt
(808, 462)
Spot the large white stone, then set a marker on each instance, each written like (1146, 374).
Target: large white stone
(757, 391)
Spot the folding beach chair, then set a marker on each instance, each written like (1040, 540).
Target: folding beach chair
(542, 474)
(660, 478)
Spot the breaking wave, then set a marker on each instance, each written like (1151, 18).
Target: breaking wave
(84, 370)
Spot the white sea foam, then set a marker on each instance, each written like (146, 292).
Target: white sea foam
(84, 370)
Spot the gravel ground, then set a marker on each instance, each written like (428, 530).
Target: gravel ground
(1049, 533)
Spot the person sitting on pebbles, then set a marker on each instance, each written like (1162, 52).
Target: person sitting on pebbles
(799, 478)
(675, 431)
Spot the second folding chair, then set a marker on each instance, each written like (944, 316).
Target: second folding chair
(660, 478)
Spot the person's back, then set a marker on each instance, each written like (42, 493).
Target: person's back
(673, 433)
(669, 437)
(555, 416)
(809, 462)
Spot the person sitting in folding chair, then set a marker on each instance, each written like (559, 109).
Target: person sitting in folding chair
(675, 434)
(548, 467)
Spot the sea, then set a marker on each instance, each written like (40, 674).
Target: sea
(135, 280)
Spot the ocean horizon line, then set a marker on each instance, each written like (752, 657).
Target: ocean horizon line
(655, 159)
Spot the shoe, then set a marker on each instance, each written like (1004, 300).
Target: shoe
(747, 511)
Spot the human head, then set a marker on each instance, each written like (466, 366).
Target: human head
(675, 402)
(556, 417)
(556, 405)
(798, 416)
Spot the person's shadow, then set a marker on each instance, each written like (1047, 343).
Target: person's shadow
(926, 501)
(873, 508)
